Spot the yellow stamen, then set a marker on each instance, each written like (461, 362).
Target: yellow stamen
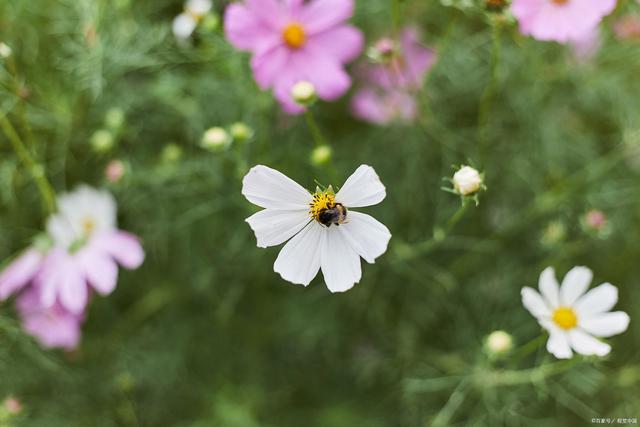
(565, 317)
(88, 225)
(560, 2)
(294, 35)
(321, 200)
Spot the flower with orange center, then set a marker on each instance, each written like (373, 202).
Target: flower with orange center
(294, 35)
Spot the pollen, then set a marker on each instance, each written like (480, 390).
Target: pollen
(321, 200)
(565, 317)
(560, 2)
(294, 35)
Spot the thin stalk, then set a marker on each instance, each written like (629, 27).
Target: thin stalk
(34, 168)
(316, 133)
(486, 101)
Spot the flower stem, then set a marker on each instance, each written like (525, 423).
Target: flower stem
(527, 348)
(316, 133)
(34, 168)
(489, 92)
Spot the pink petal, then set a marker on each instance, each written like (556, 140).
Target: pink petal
(367, 105)
(124, 247)
(343, 43)
(99, 269)
(321, 15)
(72, 288)
(269, 64)
(19, 273)
(248, 28)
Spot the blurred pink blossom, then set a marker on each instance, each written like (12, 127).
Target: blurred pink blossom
(560, 20)
(595, 219)
(294, 41)
(627, 28)
(20, 272)
(114, 171)
(389, 87)
(12, 405)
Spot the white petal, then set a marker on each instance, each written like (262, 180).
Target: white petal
(533, 302)
(574, 285)
(340, 262)
(362, 188)
(558, 345)
(183, 26)
(584, 343)
(269, 188)
(606, 324)
(549, 288)
(198, 7)
(299, 260)
(598, 300)
(366, 235)
(273, 227)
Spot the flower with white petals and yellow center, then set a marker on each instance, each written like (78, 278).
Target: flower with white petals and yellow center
(575, 319)
(185, 23)
(322, 230)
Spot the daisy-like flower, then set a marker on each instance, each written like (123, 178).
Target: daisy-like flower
(323, 232)
(560, 20)
(185, 23)
(572, 317)
(388, 87)
(294, 40)
(53, 327)
(87, 249)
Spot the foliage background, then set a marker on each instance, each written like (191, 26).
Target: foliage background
(206, 334)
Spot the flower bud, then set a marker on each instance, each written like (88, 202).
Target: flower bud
(215, 139)
(240, 132)
(595, 219)
(12, 405)
(114, 171)
(5, 50)
(498, 343)
(467, 181)
(304, 93)
(382, 51)
(321, 155)
(114, 119)
(102, 141)
(210, 22)
(171, 153)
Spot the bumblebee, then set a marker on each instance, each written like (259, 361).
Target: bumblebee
(336, 214)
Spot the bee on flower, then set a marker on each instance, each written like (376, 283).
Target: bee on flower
(575, 318)
(321, 229)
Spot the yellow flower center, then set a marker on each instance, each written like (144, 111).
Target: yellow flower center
(88, 225)
(565, 317)
(321, 200)
(294, 35)
(560, 2)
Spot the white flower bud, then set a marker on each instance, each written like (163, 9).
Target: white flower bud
(467, 181)
(304, 93)
(215, 139)
(499, 343)
(5, 50)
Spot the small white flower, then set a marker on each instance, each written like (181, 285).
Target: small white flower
(467, 181)
(325, 233)
(304, 92)
(82, 213)
(572, 317)
(216, 138)
(5, 50)
(185, 23)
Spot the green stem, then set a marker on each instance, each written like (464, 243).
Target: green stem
(527, 348)
(316, 133)
(22, 111)
(489, 92)
(525, 376)
(35, 169)
(395, 17)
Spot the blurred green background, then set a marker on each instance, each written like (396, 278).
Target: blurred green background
(206, 334)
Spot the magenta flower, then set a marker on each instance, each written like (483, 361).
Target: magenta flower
(389, 87)
(292, 41)
(20, 272)
(53, 327)
(560, 20)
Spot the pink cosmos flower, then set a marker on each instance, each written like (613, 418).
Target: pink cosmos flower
(20, 272)
(560, 20)
(389, 87)
(53, 327)
(87, 250)
(292, 41)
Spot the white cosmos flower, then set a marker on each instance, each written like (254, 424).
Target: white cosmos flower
(291, 212)
(82, 213)
(574, 318)
(185, 23)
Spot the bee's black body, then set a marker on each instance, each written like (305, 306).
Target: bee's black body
(337, 214)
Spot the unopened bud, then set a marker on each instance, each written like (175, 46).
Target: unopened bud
(499, 343)
(382, 51)
(12, 405)
(467, 181)
(114, 171)
(171, 153)
(304, 93)
(321, 155)
(240, 132)
(215, 139)
(114, 119)
(102, 141)
(210, 22)
(5, 50)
